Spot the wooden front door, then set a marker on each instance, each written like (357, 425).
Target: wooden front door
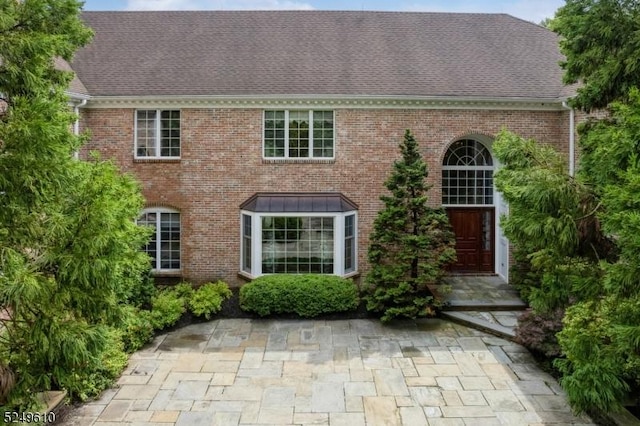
(474, 229)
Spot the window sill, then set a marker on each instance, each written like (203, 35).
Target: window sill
(166, 273)
(156, 160)
(354, 274)
(298, 160)
(248, 277)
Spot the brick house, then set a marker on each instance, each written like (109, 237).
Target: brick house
(262, 139)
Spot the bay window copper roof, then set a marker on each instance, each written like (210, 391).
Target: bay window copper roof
(294, 202)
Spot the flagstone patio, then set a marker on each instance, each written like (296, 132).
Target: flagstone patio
(350, 372)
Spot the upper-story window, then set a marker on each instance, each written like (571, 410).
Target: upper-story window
(298, 134)
(157, 134)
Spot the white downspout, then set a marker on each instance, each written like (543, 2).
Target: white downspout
(76, 125)
(572, 139)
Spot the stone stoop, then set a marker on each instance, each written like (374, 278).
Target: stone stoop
(500, 324)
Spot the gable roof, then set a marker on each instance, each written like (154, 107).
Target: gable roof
(236, 53)
(76, 88)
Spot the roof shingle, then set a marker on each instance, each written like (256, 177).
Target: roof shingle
(318, 52)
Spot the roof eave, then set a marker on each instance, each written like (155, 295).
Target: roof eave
(326, 101)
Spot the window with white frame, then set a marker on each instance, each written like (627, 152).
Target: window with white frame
(295, 242)
(298, 134)
(157, 134)
(164, 244)
(467, 174)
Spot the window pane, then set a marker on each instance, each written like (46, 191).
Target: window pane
(298, 133)
(169, 241)
(349, 243)
(323, 133)
(274, 134)
(146, 133)
(246, 243)
(170, 134)
(149, 219)
(297, 245)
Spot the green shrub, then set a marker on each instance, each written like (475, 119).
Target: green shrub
(90, 381)
(208, 298)
(183, 290)
(166, 308)
(136, 328)
(140, 296)
(305, 295)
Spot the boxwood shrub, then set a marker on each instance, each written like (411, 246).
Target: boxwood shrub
(306, 295)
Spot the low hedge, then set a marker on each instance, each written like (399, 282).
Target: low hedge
(306, 295)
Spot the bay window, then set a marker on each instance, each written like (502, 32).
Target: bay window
(298, 234)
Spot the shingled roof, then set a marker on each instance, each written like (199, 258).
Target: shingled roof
(230, 53)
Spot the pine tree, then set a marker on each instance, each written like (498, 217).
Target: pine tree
(410, 245)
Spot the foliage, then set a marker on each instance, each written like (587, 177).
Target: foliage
(135, 328)
(140, 294)
(208, 298)
(90, 380)
(600, 40)
(411, 243)
(167, 307)
(69, 246)
(582, 239)
(538, 331)
(306, 295)
(601, 338)
(601, 335)
(551, 224)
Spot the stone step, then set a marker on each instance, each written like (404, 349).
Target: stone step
(480, 324)
(483, 305)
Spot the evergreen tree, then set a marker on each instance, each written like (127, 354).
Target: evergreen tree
(599, 39)
(581, 237)
(410, 245)
(69, 245)
(601, 337)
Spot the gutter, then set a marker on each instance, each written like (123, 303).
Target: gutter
(76, 124)
(572, 139)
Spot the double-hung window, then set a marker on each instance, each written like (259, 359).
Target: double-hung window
(164, 245)
(157, 134)
(297, 134)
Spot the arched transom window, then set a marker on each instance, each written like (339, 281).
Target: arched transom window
(467, 174)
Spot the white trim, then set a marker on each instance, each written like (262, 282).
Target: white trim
(464, 206)
(468, 168)
(159, 211)
(338, 240)
(325, 102)
(498, 255)
(572, 139)
(158, 136)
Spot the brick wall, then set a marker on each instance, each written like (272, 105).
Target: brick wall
(221, 166)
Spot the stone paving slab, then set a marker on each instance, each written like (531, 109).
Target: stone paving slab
(352, 372)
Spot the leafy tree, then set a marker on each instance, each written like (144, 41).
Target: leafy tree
(69, 246)
(600, 40)
(411, 242)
